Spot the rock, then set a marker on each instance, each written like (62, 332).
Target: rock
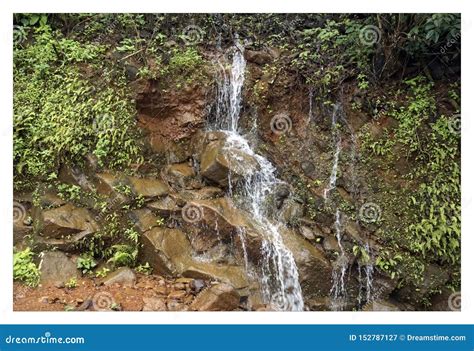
(314, 270)
(219, 220)
(261, 57)
(65, 221)
(178, 175)
(123, 276)
(233, 275)
(153, 304)
(434, 278)
(143, 219)
(281, 194)
(307, 232)
(165, 249)
(219, 161)
(291, 211)
(380, 305)
(132, 72)
(56, 268)
(205, 193)
(107, 184)
(308, 168)
(197, 285)
(148, 187)
(166, 206)
(352, 230)
(169, 252)
(74, 175)
(50, 199)
(220, 297)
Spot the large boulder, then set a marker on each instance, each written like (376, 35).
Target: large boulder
(109, 184)
(209, 222)
(219, 161)
(170, 253)
(148, 187)
(56, 268)
(220, 297)
(64, 221)
(314, 269)
(180, 175)
(123, 276)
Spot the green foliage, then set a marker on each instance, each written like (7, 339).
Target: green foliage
(361, 253)
(421, 105)
(437, 205)
(24, 269)
(102, 273)
(144, 269)
(123, 255)
(69, 192)
(388, 262)
(86, 263)
(71, 283)
(60, 116)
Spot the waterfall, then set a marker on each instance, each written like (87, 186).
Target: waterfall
(366, 272)
(277, 270)
(337, 150)
(338, 289)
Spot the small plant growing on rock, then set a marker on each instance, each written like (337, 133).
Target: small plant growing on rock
(86, 263)
(24, 269)
(124, 255)
(102, 273)
(71, 283)
(144, 269)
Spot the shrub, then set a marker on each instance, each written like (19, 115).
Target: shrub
(24, 269)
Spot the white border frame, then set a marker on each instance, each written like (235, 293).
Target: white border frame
(7, 316)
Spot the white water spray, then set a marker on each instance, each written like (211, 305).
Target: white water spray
(279, 273)
(337, 150)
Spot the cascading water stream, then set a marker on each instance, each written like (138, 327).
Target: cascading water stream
(337, 150)
(366, 272)
(278, 270)
(338, 289)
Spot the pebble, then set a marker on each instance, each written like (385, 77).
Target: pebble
(197, 285)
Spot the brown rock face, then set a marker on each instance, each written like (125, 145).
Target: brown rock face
(219, 161)
(221, 297)
(56, 268)
(313, 267)
(107, 184)
(171, 115)
(66, 220)
(123, 276)
(169, 252)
